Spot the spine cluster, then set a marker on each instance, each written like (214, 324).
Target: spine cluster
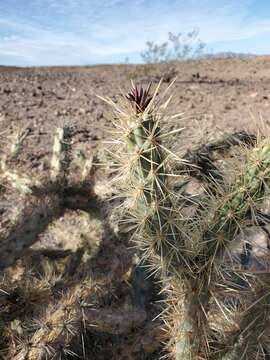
(194, 253)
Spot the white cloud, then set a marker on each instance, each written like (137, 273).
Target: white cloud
(81, 31)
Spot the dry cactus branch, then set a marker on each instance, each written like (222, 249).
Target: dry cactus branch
(250, 339)
(113, 322)
(16, 144)
(21, 183)
(64, 319)
(60, 161)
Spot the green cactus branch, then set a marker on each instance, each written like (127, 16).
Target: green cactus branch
(239, 202)
(161, 233)
(189, 249)
(230, 212)
(145, 177)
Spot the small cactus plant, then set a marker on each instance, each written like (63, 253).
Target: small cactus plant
(217, 302)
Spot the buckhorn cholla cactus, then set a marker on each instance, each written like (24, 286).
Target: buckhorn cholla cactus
(218, 306)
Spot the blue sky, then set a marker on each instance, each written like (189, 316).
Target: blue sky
(66, 32)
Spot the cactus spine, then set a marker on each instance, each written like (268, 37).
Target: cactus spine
(217, 300)
(60, 161)
(160, 226)
(145, 179)
(240, 201)
(191, 251)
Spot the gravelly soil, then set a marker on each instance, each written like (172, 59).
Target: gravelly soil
(221, 91)
(216, 94)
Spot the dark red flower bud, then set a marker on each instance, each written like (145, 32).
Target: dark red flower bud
(139, 97)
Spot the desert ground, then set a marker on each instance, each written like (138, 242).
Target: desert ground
(224, 94)
(215, 96)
